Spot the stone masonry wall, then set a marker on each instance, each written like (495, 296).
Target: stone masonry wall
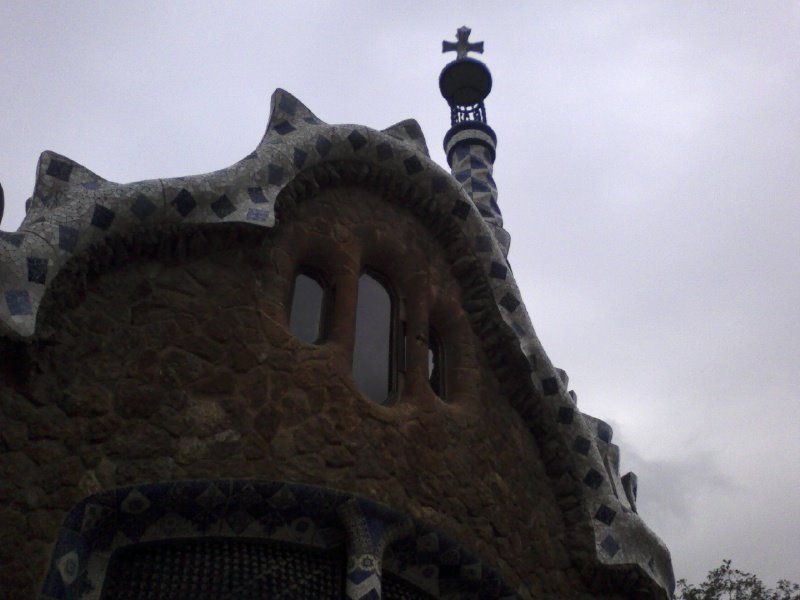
(183, 366)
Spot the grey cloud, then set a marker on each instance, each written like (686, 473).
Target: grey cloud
(647, 168)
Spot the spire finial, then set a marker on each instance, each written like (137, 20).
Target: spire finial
(465, 82)
(462, 45)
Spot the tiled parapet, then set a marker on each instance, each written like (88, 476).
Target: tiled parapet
(75, 214)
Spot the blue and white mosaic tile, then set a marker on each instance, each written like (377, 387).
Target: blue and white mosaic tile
(264, 511)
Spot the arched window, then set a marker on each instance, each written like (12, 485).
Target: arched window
(374, 356)
(436, 366)
(307, 316)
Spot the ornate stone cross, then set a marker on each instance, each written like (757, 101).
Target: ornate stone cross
(463, 45)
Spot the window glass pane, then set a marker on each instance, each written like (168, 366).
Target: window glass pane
(306, 315)
(435, 363)
(373, 338)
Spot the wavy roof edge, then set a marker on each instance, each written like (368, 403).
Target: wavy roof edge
(73, 209)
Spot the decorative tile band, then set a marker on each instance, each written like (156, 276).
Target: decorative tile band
(306, 516)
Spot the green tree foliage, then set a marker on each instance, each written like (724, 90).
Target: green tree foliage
(727, 583)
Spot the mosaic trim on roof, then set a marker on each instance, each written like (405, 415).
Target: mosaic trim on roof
(73, 209)
(306, 516)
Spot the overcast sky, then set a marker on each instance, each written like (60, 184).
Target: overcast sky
(649, 174)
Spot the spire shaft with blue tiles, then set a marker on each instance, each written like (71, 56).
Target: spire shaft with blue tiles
(470, 144)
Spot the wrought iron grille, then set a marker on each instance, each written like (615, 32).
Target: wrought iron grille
(471, 112)
(223, 569)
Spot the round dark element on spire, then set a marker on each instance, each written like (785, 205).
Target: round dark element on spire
(465, 81)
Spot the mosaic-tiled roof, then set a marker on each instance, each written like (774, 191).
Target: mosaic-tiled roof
(73, 210)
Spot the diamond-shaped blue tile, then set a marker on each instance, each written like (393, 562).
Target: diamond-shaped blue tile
(439, 184)
(274, 174)
(14, 239)
(593, 479)
(509, 302)
(581, 445)
(284, 127)
(256, 195)
(323, 145)
(222, 207)
(67, 238)
(384, 151)
(461, 209)
(610, 545)
(412, 165)
(184, 202)
(52, 201)
(102, 217)
(142, 207)
(18, 302)
(605, 514)
(356, 140)
(299, 158)
(288, 104)
(413, 130)
(604, 432)
(497, 270)
(37, 269)
(483, 243)
(257, 215)
(550, 386)
(565, 415)
(59, 169)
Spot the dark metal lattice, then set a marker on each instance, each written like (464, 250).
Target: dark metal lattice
(223, 569)
(472, 112)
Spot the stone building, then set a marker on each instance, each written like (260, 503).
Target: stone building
(307, 375)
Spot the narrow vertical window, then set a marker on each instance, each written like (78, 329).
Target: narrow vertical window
(306, 319)
(436, 363)
(372, 353)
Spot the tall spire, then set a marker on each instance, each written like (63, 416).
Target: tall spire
(470, 143)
